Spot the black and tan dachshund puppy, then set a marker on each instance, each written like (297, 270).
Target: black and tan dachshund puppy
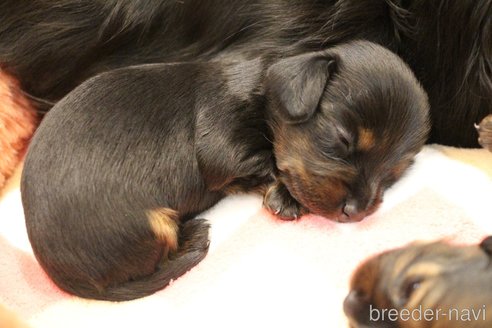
(433, 285)
(118, 167)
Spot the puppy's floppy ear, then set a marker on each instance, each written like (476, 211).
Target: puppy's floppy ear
(295, 85)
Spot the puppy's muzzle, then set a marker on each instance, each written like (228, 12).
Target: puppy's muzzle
(354, 304)
(356, 307)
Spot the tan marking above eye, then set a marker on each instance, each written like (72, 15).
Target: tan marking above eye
(366, 140)
(163, 224)
(425, 269)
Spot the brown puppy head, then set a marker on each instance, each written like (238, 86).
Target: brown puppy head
(423, 285)
(347, 123)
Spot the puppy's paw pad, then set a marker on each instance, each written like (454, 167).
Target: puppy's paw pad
(485, 133)
(278, 201)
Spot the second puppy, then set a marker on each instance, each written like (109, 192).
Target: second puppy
(433, 285)
(119, 166)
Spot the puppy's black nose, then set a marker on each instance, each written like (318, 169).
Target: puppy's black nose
(352, 212)
(350, 208)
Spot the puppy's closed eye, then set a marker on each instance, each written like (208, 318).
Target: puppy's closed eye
(345, 142)
(339, 144)
(410, 286)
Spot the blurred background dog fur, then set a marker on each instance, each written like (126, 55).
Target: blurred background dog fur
(52, 46)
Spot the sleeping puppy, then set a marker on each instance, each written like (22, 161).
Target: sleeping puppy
(424, 285)
(119, 166)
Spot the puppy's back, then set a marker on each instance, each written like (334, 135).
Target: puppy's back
(108, 176)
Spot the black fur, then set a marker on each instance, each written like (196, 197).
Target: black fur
(53, 45)
(450, 51)
(335, 159)
(123, 143)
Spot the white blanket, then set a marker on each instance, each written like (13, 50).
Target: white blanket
(261, 271)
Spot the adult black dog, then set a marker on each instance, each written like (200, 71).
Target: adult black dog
(119, 164)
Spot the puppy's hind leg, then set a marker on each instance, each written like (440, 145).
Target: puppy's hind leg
(185, 245)
(158, 249)
(193, 238)
(179, 240)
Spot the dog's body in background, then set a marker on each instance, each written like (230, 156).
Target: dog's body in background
(52, 46)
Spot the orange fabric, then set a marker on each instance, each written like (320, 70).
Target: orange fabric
(18, 121)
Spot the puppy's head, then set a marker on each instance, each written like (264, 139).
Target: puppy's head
(394, 289)
(347, 123)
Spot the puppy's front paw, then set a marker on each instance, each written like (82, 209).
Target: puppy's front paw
(279, 201)
(485, 133)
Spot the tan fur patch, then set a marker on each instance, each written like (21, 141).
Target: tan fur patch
(400, 168)
(366, 140)
(292, 164)
(289, 152)
(425, 269)
(18, 120)
(485, 133)
(164, 225)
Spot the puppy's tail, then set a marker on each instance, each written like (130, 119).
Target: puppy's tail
(193, 247)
